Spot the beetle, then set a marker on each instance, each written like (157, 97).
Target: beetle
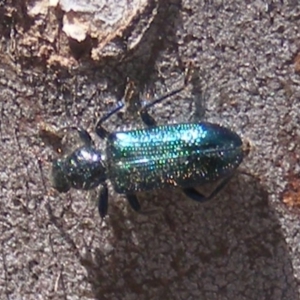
(181, 155)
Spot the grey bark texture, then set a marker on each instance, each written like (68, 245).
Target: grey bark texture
(242, 245)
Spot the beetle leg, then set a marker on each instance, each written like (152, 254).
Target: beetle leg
(84, 136)
(134, 203)
(196, 196)
(100, 130)
(103, 200)
(147, 119)
(145, 116)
